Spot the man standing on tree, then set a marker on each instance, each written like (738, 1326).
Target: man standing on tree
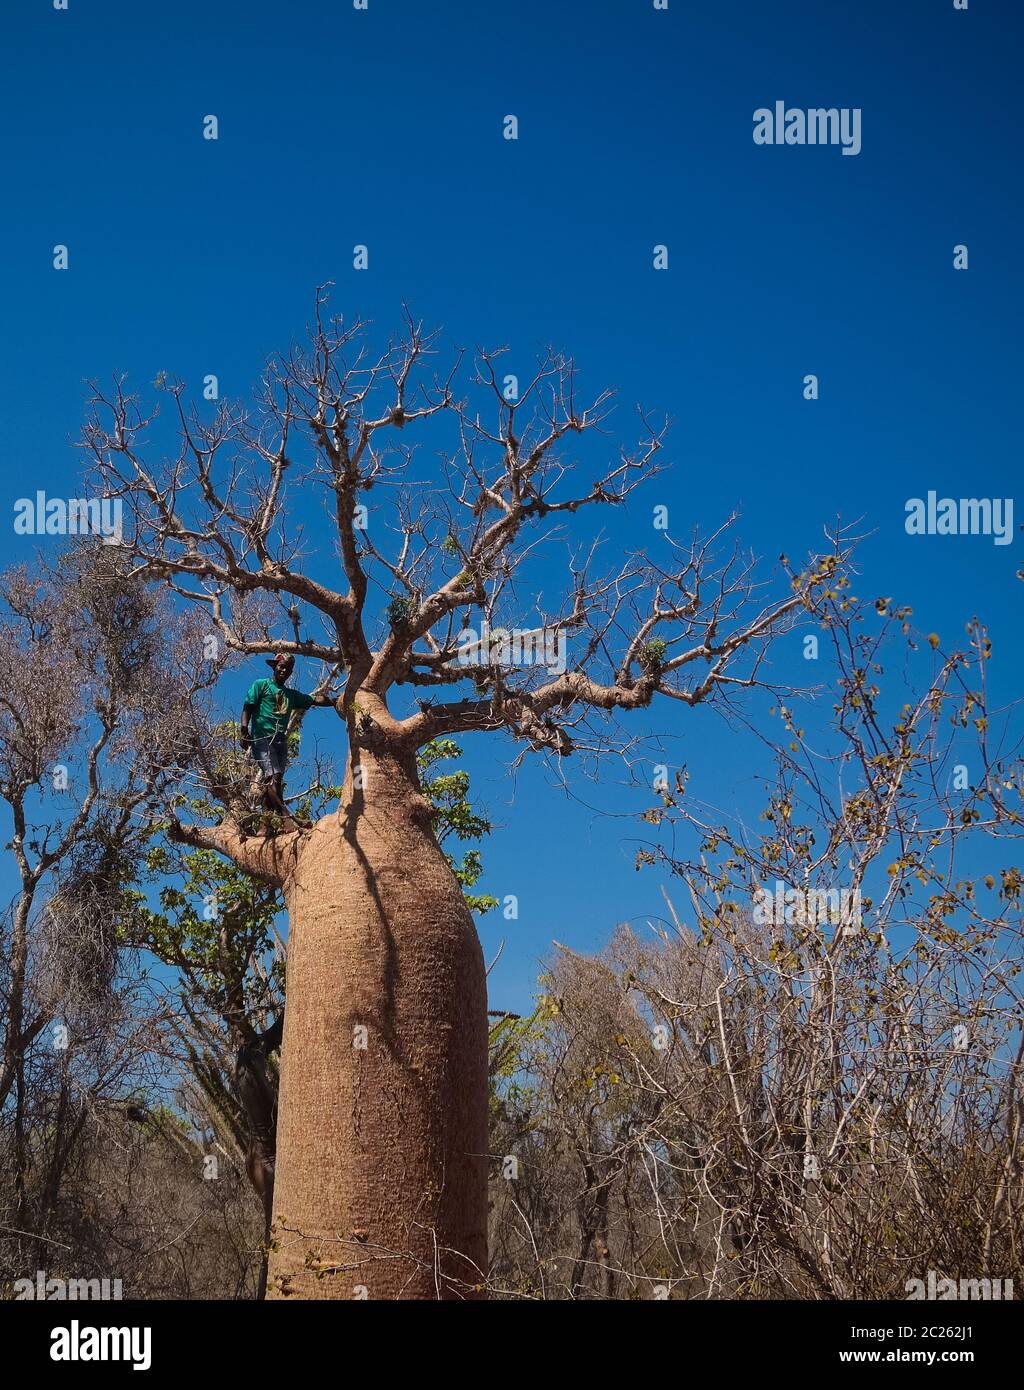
(267, 711)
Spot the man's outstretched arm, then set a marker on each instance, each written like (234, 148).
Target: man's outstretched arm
(303, 702)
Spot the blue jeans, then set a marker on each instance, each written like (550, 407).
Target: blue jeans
(272, 755)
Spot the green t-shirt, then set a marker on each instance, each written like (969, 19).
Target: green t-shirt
(271, 705)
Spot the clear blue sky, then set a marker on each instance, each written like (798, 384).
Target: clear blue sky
(384, 127)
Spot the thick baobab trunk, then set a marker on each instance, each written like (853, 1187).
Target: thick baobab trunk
(381, 1187)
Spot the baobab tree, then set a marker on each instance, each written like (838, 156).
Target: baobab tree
(382, 1129)
(227, 1004)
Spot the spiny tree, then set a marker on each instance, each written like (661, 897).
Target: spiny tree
(850, 1086)
(98, 686)
(382, 1130)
